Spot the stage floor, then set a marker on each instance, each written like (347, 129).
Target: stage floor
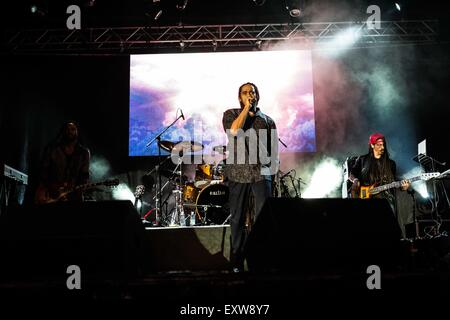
(191, 265)
(166, 295)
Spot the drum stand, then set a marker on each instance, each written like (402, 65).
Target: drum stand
(416, 222)
(227, 219)
(177, 217)
(204, 220)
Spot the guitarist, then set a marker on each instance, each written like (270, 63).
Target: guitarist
(375, 168)
(65, 164)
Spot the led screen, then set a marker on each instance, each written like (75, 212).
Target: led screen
(204, 85)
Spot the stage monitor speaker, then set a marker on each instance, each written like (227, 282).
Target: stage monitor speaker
(323, 235)
(104, 238)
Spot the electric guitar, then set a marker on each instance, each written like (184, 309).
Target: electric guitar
(44, 196)
(366, 192)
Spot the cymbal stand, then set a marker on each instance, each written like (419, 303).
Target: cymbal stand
(284, 189)
(300, 182)
(158, 169)
(178, 217)
(160, 219)
(158, 187)
(294, 187)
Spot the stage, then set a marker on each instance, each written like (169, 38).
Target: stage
(164, 294)
(167, 268)
(188, 249)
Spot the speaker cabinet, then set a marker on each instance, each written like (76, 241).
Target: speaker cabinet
(205, 248)
(105, 239)
(323, 235)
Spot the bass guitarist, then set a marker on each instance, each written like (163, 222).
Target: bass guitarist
(65, 164)
(375, 169)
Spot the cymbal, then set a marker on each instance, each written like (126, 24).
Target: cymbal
(220, 149)
(187, 146)
(166, 145)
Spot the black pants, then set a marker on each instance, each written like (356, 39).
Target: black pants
(239, 200)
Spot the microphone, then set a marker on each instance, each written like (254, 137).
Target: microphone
(284, 175)
(140, 189)
(252, 105)
(282, 143)
(182, 115)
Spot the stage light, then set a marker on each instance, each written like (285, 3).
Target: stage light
(421, 188)
(259, 2)
(325, 179)
(37, 10)
(154, 10)
(157, 15)
(349, 36)
(294, 7)
(122, 192)
(295, 12)
(342, 41)
(181, 4)
(397, 6)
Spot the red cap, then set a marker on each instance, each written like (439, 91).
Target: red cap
(374, 137)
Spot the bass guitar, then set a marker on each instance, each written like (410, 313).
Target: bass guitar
(366, 192)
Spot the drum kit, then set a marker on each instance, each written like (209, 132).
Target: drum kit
(202, 200)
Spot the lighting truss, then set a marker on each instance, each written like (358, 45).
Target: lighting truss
(214, 37)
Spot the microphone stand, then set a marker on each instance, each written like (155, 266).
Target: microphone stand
(425, 161)
(158, 169)
(416, 222)
(282, 143)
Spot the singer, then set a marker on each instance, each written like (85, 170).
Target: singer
(250, 166)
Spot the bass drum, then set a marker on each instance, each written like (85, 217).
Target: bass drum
(212, 204)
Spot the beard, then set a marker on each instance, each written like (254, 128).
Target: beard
(70, 138)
